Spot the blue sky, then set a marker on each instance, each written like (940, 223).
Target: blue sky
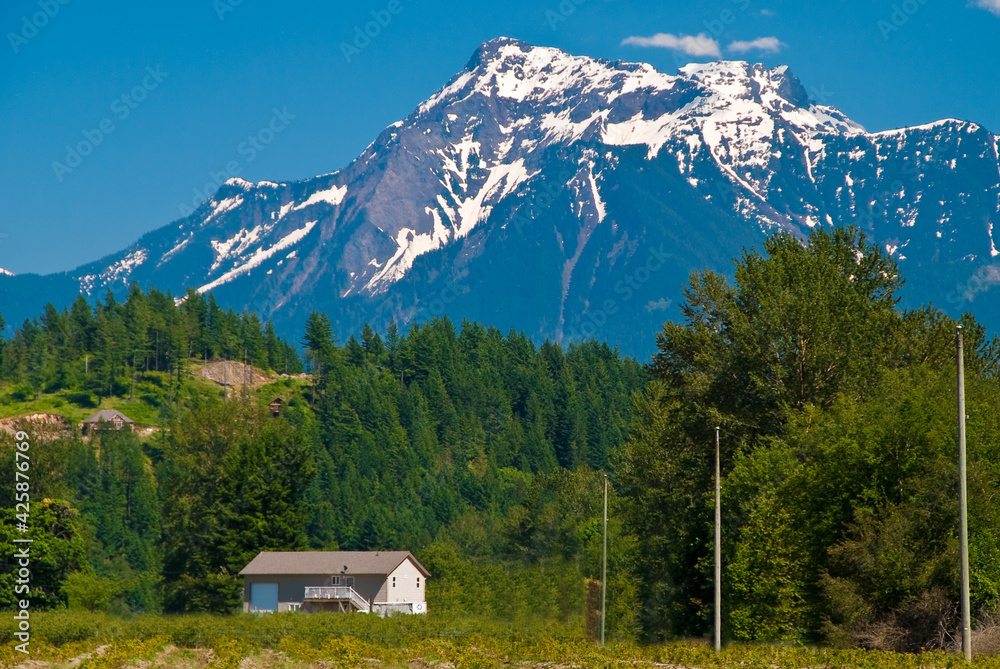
(169, 93)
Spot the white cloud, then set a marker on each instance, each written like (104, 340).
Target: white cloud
(693, 45)
(769, 44)
(767, 12)
(988, 5)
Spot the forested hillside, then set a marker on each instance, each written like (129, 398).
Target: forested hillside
(485, 454)
(392, 441)
(103, 349)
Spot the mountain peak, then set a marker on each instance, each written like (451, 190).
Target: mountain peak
(533, 136)
(739, 78)
(493, 49)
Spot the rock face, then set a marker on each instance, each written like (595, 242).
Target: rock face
(571, 197)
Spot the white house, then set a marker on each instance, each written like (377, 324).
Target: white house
(368, 581)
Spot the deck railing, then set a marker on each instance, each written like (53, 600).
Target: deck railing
(338, 592)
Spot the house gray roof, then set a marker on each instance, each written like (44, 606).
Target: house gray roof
(108, 415)
(329, 563)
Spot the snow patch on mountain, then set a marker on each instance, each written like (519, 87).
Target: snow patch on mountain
(119, 272)
(225, 205)
(500, 183)
(925, 126)
(332, 196)
(236, 245)
(601, 210)
(180, 246)
(409, 245)
(259, 256)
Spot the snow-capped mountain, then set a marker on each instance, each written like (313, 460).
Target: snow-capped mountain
(570, 197)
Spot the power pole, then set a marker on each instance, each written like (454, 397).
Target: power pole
(604, 563)
(963, 519)
(718, 547)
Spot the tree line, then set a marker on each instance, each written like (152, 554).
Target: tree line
(401, 440)
(839, 455)
(484, 453)
(101, 349)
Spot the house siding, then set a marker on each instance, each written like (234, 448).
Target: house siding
(405, 596)
(368, 586)
(291, 589)
(406, 590)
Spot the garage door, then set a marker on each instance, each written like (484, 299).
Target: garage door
(264, 597)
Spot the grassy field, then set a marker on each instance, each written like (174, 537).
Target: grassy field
(152, 391)
(70, 639)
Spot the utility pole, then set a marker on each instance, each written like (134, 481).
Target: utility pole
(963, 513)
(718, 547)
(604, 563)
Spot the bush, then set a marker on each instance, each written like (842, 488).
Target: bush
(90, 591)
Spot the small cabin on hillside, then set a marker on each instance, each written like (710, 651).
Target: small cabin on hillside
(110, 417)
(275, 406)
(379, 582)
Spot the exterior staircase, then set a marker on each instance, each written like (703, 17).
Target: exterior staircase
(340, 594)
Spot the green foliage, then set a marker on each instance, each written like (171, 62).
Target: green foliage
(484, 453)
(532, 566)
(227, 654)
(111, 349)
(404, 641)
(234, 481)
(120, 655)
(802, 324)
(392, 441)
(90, 591)
(838, 455)
(57, 550)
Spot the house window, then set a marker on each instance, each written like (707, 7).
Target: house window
(394, 581)
(294, 606)
(418, 581)
(342, 580)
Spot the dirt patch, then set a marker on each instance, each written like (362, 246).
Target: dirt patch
(231, 374)
(40, 425)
